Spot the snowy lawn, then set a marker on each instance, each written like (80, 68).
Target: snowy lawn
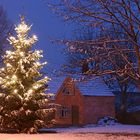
(90, 132)
(69, 136)
(129, 129)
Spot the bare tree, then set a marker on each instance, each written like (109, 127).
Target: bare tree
(77, 61)
(6, 27)
(100, 14)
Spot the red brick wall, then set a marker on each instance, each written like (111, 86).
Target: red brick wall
(96, 107)
(69, 101)
(91, 108)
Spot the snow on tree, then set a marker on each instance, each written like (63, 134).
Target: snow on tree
(23, 97)
(113, 51)
(100, 15)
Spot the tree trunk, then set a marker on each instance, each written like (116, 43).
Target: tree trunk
(123, 108)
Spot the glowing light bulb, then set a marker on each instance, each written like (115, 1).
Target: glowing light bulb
(34, 37)
(37, 63)
(37, 51)
(2, 69)
(21, 53)
(8, 65)
(18, 47)
(11, 57)
(8, 52)
(46, 78)
(22, 28)
(8, 83)
(12, 38)
(35, 87)
(15, 91)
(13, 82)
(44, 63)
(30, 91)
(14, 77)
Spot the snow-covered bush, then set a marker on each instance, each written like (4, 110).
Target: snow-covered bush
(107, 120)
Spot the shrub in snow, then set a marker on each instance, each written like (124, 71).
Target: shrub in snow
(107, 120)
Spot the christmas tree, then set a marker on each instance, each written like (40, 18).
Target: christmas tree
(23, 87)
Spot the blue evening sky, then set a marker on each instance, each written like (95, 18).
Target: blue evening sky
(46, 24)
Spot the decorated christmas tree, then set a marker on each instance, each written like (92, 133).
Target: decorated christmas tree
(22, 97)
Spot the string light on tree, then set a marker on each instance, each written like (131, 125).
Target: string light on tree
(23, 85)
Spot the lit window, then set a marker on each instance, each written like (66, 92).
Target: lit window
(64, 112)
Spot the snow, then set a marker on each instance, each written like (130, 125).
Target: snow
(55, 84)
(133, 108)
(94, 87)
(107, 120)
(118, 128)
(68, 136)
(89, 132)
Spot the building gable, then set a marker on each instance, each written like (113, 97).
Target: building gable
(68, 88)
(68, 85)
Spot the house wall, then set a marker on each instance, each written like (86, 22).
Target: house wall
(96, 107)
(91, 108)
(74, 99)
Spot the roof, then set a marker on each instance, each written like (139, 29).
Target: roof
(55, 84)
(131, 89)
(134, 108)
(95, 87)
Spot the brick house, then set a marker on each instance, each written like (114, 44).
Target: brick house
(81, 102)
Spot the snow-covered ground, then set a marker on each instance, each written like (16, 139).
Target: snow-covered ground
(90, 132)
(69, 136)
(119, 128)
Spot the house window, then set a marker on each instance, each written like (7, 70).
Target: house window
(65, 91)
(64, 112)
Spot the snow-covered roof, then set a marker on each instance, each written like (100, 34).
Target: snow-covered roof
(133, 108)
(94, 87)
(55, 83)
(135, 89)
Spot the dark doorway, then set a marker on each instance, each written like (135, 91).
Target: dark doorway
(75, 115)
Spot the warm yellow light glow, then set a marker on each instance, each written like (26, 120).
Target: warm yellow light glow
(11, 57)
(30, 91)
(35, 37)
(13, 81)
(14, 76)
(22, 65)
(8, 83)
(7, 77)
(8, 65)
(38, 63)
(35, 87)
(18, 47)
(2, 69)
(12, 38)
(21, 53)
(8, 52)
(44, 63)
(15, 91)
(22, 28)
